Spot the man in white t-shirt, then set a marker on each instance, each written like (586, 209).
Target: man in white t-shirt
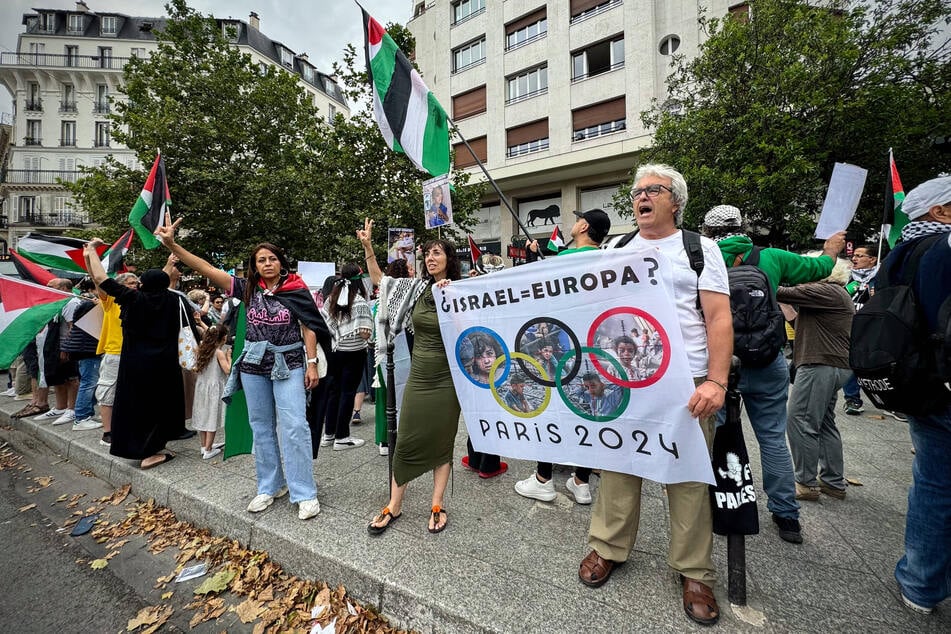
(658, 198)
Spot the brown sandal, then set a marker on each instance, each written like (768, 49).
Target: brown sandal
(384, 514)
(699, 602)
(595, 570)
(437, 511)
(31, 410)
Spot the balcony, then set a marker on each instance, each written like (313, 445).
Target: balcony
(39, 177)
(52, 219)
(67, 142)
(51, 60)
(67, 106)
(34, 105)
(32, 140)
(100, 107)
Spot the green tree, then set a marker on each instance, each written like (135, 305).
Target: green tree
(759, 118)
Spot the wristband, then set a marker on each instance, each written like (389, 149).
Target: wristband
(314, 360)
(722, 387)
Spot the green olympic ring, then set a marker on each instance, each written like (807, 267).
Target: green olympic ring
(625, 394)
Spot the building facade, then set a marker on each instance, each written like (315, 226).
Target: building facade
(64, 78)
(549, 95)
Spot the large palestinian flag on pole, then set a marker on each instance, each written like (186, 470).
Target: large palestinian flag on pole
(24, 309)
(29, 271)
(53, 252)
(149, 210)
(410, 118)
(894, 218)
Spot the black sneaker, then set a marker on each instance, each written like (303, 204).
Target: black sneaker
(188, 433)
(789, 529)
(853, 408)
(106, 440)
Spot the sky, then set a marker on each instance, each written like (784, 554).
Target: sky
(320, 28)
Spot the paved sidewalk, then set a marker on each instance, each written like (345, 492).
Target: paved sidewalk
(509, 564)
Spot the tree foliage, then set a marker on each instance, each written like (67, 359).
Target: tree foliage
(761, 116)
(248, 156)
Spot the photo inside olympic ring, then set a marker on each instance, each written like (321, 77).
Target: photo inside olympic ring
(521, 394)
(478, 350)
(547, 342)
(590, 394)
(634, 342)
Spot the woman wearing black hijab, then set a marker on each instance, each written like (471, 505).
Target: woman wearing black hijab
(150, 398)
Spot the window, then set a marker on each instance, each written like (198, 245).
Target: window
(47, 23)
(468, 55)
(26, 209)
(59, 204)
(527, 29)
(105, 57)
(34, 131)
(528, 138)
(465, 9)
(230, 31)
(76, 23)
(138, 52)
(68, 99)
(72, 56)
(527, 84)
(109, 25)
(287, 57)
(38, 53)
(598, 58)
(102, 134)
(67, 165)
(740, 12)
(469, 103)
(67, 136)
(331, 113)
(33, 100)
(599, 119)
(465, 158)
(102, 99)
(584, 9)
(669, 45)
(307, 71)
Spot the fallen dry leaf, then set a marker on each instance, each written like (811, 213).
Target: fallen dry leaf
(153, 616)
(210, 609)
(854, 482)
(98, 564)
(121, 494)
(217, 583)
(87, 473)
(27, 507)
(167, 595)
(249, 610)
(44, 482)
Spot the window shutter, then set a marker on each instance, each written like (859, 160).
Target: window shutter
(580, 6)
(464, 157)
(521, 23)
(468, 103)
(603, 112)
(528, 132)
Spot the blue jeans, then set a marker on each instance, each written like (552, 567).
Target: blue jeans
(765, 391)
(88, 378)
(924, 572)
(290, 461)
(851, 389)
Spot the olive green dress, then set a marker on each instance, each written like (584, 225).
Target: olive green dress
(429, 415)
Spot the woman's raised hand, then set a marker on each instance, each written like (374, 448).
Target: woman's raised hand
(365, 233)
(166, 233)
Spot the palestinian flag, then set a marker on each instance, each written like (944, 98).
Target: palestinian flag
(53, 252)
(894, 218)
(112, 260)
(24, 309)
(474, 251)
(29, 271)
(149, 210)
(406, 111)
(557, 241)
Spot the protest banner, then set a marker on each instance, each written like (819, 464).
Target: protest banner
(401, 244)
(576, 360)
(437, 202)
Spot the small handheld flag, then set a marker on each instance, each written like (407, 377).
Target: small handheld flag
(557, 241)
(474, 251)
(149, 210)
(894, 218)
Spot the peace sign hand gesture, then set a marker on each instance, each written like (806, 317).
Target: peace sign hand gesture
(365, 233)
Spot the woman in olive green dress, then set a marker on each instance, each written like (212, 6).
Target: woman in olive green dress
(429, 415)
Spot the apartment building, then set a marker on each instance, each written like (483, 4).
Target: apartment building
(64, 78)
(549, 95)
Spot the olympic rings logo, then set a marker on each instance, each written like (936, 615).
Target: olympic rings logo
(625, 349)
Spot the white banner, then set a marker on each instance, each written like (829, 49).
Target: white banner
(576, 360)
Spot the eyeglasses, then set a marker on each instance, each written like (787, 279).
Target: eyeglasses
(652, 191)
(860, 255)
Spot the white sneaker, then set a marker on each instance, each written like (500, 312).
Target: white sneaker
(24, 397)
(384, 450)
(307, 509)
(348, 443)
(86, 424)
(68, 416)
(530, 487)
(262, 501)
(920, 609)
(50, 414)
(217, 445)
(582, 492)
(326, 441)
(208, 455)
(11, 392)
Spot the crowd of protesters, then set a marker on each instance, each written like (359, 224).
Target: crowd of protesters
(307, 363)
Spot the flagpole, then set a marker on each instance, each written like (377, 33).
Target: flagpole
(888, 191)
(492, 182)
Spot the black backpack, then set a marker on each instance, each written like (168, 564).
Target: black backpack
(79, 343)
(899, 364)
(759, 329)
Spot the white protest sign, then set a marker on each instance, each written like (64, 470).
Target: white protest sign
(576, 360)
(314, 273)
(842, 199)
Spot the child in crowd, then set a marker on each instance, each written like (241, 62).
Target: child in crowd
(213, 367)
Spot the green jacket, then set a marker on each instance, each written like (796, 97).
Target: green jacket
(781, 267)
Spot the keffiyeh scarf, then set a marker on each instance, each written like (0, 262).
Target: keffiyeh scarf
(920, 228)
(395, 310)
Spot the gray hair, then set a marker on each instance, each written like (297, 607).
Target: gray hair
(841, 273)
(122, 278)
(677, 184)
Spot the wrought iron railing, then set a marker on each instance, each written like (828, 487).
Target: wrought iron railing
(62, 61)
(38, 177)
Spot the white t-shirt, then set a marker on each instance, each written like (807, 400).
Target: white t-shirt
(713, 278)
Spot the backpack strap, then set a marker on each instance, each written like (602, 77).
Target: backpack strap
(625, 240)
(909, 264)
(695, 254)
(753, 258)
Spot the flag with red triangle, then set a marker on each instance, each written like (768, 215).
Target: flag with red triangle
(24, 309)
(474, 251)
(153, 203)
(894, 218)
(113, 260)
(557, 241)
(29, 271)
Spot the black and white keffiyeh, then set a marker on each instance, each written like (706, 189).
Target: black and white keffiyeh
(394, 311)
(921, 228)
